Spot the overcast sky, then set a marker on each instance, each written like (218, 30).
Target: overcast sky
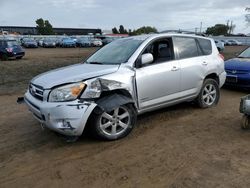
(105, 14)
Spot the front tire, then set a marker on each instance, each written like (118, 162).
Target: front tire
(115, 124)
(209, 95)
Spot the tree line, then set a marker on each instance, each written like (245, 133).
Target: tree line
(139, 31)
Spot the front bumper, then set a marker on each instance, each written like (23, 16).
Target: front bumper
(15, 54)
(67, 118)
(242, 81)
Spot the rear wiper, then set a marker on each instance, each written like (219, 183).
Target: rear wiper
(95, 62)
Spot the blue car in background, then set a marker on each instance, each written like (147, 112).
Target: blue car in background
(67, 42)
(238, 70)
(29, 43)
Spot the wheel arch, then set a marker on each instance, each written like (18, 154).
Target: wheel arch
(109, 100)
(213, 76)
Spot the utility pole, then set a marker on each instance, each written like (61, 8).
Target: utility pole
(200, 27)
(196, 29)
(231, 27)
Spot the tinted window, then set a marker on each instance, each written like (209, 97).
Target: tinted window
(205, 46)
(187, 47)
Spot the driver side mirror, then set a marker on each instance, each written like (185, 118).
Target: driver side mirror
(146, 58)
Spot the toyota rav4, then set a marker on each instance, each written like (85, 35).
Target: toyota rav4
(127, 77)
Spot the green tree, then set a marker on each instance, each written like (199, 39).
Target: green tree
(44, 27)
(218, 29)
(122, 30)
(115, 31)
(144, 30)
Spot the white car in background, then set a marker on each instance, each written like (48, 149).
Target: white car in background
(96, 42)
(220, 45)
(234, 42)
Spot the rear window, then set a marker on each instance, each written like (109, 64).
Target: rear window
(205, 46)
(186, 46)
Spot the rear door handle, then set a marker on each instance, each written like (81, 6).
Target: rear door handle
(175, 68)
(204, 63)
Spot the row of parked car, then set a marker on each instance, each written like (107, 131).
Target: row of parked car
(65, 42)
(13, 49)
(222, 43)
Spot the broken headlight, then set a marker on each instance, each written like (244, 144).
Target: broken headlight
(93, 90)
(67, 92)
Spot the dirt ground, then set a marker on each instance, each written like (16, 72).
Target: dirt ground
(180, 146)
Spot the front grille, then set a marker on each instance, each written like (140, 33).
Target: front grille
(36, 91)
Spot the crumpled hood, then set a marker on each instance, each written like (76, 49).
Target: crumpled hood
(238, 64)
(73, 73)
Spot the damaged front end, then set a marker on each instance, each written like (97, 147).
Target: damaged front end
(70, 117)
(67, 118)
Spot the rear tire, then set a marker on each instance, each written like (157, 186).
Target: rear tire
(113, 125)
(209, 95)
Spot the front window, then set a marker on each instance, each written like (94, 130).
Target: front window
(116, 52)
(245, 53)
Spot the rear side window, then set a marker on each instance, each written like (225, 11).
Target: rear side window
(205, 46)
(187, 47)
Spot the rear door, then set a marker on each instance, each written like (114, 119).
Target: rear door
(193, 64)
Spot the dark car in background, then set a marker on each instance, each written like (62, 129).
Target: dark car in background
(49, 43)
(83, 42)
(10, 49)
(29, 43)
(238, 70)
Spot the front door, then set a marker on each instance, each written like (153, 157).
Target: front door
(158, 82)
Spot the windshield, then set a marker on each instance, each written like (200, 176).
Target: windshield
(245, 53)
(116, 52)
(12, 43)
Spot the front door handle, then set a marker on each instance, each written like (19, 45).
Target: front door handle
(175, 68)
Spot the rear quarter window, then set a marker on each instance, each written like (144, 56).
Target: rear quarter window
(205, 46)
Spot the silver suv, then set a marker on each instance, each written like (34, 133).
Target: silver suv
(127, 77)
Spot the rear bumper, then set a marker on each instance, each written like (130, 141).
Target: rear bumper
(67, 118)
(222, 78)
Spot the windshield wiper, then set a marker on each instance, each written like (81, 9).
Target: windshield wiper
(94, 62)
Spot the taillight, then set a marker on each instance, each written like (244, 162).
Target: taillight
(221, 56)
(9, 50)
